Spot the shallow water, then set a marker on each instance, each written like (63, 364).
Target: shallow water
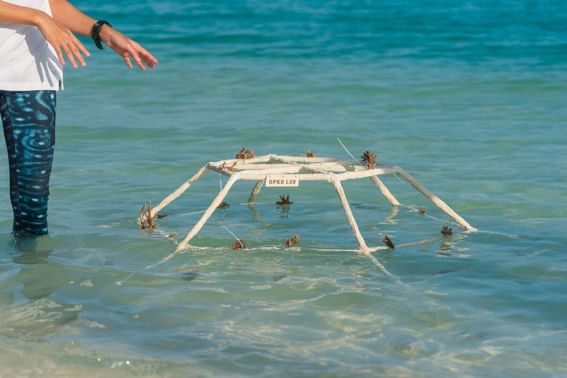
(466, 96)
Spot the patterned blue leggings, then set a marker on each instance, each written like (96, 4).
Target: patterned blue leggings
(28, 119)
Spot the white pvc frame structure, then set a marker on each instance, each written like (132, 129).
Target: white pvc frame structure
(334, 171)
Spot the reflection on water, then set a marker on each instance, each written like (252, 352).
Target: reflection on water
(451, 245)
(28, 309)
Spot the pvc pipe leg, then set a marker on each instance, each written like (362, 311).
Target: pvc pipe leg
(255, 213)
(177, 192)
(436, 201)
(350, 217)
(255, 191)
(385, 191)
(394, 210)
(210, 210)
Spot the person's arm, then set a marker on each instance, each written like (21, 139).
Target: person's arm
(15, 14)
(58, 35)
(65, 13)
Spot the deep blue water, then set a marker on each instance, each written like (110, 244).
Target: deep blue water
(468, 96)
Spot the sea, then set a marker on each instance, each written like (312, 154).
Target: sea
(467, 96)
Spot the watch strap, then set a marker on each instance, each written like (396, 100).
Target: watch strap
(95, 32)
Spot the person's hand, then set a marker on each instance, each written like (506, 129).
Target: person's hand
(127, 48)
(63, 41)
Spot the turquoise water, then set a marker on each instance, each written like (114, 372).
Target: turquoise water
(468, 96)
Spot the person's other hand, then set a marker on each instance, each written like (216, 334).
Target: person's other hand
(63, 41)
(127, 48)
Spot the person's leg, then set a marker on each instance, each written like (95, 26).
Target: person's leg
(28, 119)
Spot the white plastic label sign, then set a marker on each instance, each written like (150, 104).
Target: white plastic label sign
(282, 180)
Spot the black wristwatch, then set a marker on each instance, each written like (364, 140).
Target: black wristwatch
(95, 32)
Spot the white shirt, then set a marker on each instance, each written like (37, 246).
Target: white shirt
(27, 61)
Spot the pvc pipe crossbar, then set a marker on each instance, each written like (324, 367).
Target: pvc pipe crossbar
(334, 171)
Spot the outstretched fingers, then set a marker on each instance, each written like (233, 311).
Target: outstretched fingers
(141, 56)
(75, 50)
(129, 50)
(59, 52)
(64, 42)
(148, 59)
(74, 53)
(79, 46)
(136, 56)
(126, 58)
